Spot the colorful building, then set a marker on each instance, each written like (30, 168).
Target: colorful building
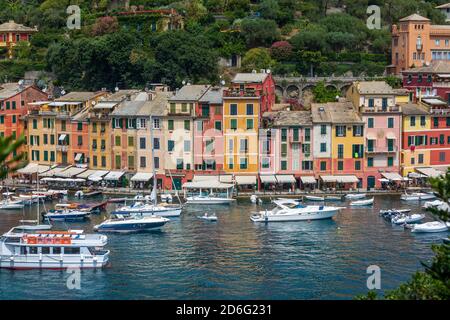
(11, 34)
(376, 102)
(416, 42)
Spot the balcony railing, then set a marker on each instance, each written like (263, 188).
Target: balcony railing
(381, 109)
(382, 149)
(242, 93)
(62, 148)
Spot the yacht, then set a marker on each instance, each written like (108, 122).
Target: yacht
(434, 226)
(8, 204)
(28, 248)
(292, 210)
(209, 199)
(417, 196)
(63, 212)
(133, 223)
(149, 209)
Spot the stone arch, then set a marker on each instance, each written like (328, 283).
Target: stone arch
(344, 88)
(292, 91)
(330, 86)
(279, 91)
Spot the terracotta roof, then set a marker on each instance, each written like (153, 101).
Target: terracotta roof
(12, 26)
(436, 66)
(414, 109)
(289, 118)
(335, 112)
(414, 17)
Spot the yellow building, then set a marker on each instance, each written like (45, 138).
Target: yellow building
(416, 149)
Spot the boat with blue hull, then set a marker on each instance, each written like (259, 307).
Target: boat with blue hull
(120, 223)
(63, 213)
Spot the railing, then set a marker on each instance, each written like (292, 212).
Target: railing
(62, 148)
(382, 149)
(380, 109)
(242, 93)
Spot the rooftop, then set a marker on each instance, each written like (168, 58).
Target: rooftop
(414, 109)
(191, 92)
(121, 95)
(249, 77)
(80, 96)
(335, 112)
(155, 107)
(213, 96)
(414, 17)
(11, 26)
(7, 90)
(443, 6)
(289, 118)
(128, 108)
(436, 66)
(374, 87)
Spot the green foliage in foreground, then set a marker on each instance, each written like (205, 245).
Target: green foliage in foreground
(10, 161)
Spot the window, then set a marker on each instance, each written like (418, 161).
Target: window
(419, 78)
(103, 161)
(2, 119)
(142, 143)
(63, 125)
(284, 150)
(79, 126)
(323, 147)
(218, 125)
(218, 110)
(156, 123)
(117, 141)
(429, 78)
(323, 165)
(233, 124)
(34, 123)
(80, 140)
(170, 124)
(249, 109)
(412, 121)
(283, 165)
(230, 163)
(340, 131)
(156, 162)
(370, 162)
(340, 165)
(390, 161)
(170, 145)
(295, 134)
(340, 151)
(8, 105)
(441, 156)
(173, 108)
(205, 110)
(118, 161)
(323, 129)
(45, 155)
(131, 163)
(243, 163)
(131, 141)
(370, 122)
(390, 122)
(384, 103)
(143, 162)
(187, 125)
(94, 127)
(357, 151)
(249, 124)
(156, 144)
(184, 107)
(307, 134)
(187, 145)
(422, 121)
(357, 131)
(180, 164)
(243, 145)
(199, 126)
(357, 165)
(307, 165)
(283, 135)
(233, 109)
(265, 163)
(420, 158)
(45, 139)
(371, 103)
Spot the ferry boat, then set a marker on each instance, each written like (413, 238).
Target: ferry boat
(22, 248)
(134, 223)
(143, 209)
(292, 210)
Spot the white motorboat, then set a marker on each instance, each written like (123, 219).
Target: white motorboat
(62, 212)
(355, 196)
(35, 249)
(366, 202)
(417, 196)
(314, 198)
(8, 204)
(79, 194)
(394, 211)
(167, 198)
(292, 210)
(253, 198)
(200, 199)
(132, 223)
(333, 198)
(402, 219)
(139, 208)
(434, 226)
(207, 217)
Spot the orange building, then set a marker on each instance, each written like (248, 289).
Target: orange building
(417, 42)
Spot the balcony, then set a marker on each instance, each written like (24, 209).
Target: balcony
(380, 109)
(62, 148)
(298, 139)
(393, 149)
(246, 93)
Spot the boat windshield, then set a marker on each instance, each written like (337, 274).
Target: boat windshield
(295, 206)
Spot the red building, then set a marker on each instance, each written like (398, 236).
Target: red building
(439, 137)
(14, 100)
(432, 80)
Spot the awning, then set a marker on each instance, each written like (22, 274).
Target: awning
(416, 175)
(434, 101)
(205, 177)
(371, 136)
(142, 177)
(85, 174)
(285, 178)
(308, 179)
(226, 178)
(440, 75)
(392, 176)
(207, 184)
(53, 172)
(70, 172)
(78, 156)
(33, 168)
(430, 172)
(62, 137)
(48, 179)
(268, 178)
(114, 175)
(391, 135)
(243, 180)
(340, 179)
(105, 105)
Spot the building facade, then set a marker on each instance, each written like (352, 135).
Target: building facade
(11, 34)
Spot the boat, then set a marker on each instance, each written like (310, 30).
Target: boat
(207, 217)
(365, 202)
(144, 209)
(209, 199)
(131, 223)
(8, 204)
(314, 198)
(333, 198)
(253, 199)
(434, 226)
(401, 219)
(292, 210)
(397, 211)
(417, 196)
(63, 212)
(167, 198)
(355, 196)
(79, 194)
(36, 249)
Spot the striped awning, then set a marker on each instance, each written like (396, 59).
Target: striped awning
(33, 168)
(392, 176)
(70, 172)
(285, 178)
(114, 175)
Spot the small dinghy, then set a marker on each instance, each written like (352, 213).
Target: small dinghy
(314, 198)
(207, 217)
(428, 227)
(394, 211)
(360, 203)
(333, 198)
(402, 219)
(254, 198)
(355, 196)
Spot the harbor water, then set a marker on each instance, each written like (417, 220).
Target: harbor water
(235, 258)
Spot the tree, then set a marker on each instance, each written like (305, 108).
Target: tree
(104, 25)
(281, 50)
(259, 32)
(269, 9)
(10, 161)
(256, 59)
(323, 94)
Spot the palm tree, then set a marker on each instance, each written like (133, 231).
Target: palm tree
(10, 161)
